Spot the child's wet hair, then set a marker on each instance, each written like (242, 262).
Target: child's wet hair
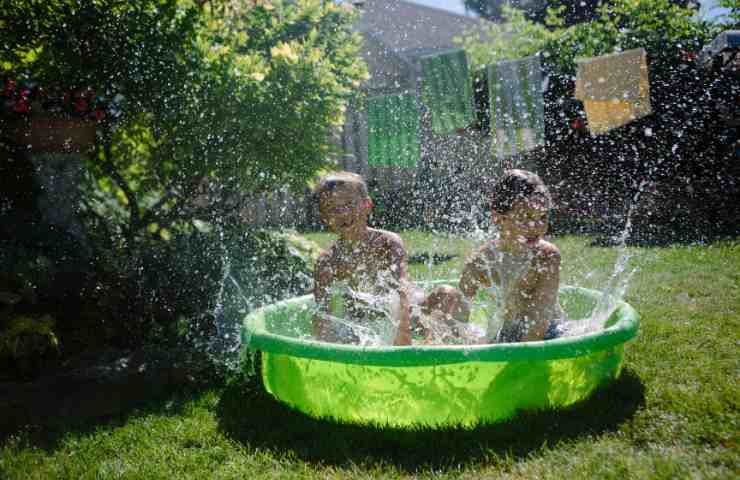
(332, 181)
(515, 185)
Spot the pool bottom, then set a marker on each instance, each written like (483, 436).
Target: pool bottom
(460, 394)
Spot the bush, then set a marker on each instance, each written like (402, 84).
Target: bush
(265, 85)
(211, 276)
(27, 344)
(220, 98)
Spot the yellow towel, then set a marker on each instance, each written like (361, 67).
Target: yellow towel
(615, 89)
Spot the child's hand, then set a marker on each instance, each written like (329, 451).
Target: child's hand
(403, 337)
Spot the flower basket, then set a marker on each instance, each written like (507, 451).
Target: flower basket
(46, 134)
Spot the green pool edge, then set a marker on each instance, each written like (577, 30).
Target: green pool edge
(441, 385)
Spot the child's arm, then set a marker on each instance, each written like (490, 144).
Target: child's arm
(403, 337)
(474, 275)
(322, 279)
(399, 271)
(545, 293)
(398, 262)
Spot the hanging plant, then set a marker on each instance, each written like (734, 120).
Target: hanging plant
(52, 119)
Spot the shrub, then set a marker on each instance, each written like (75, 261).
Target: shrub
(218, 276)
(27, 343)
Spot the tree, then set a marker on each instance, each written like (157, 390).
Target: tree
(515, 37)
(266, 84)
(221, 96)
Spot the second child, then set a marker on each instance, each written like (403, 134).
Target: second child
(519, 269)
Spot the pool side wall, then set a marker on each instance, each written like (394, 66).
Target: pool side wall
(464, 394)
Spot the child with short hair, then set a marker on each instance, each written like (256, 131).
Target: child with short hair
(518, 268)
(364, 264)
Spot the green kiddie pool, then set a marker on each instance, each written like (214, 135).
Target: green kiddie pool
(433, 386)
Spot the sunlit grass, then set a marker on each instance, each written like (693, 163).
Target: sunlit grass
(672, 414)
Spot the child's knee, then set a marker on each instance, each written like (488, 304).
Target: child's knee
(450, 301)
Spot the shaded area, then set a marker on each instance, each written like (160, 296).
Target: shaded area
(251, 416)
(97, 387)
(50, 434)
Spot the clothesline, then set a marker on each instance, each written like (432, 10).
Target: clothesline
(614, 88)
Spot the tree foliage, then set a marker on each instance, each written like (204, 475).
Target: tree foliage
(515, 37)
(662, 27)
(220, 97)
(732, 17)
(571, 12)
(536, 10)
(110, 46)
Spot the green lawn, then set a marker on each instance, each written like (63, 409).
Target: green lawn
(674, 412)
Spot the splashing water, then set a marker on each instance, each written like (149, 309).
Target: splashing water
(222, 345)
(449, 331)
(618, 281)
(381, 326)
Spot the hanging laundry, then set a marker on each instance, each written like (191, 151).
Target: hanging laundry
(447, 91)
(393, 131)
(614, 89)
(515, 89)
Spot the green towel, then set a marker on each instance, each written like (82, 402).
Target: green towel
(447, 92)
(517, 106)
(393, 131)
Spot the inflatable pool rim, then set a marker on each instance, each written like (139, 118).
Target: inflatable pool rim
(621, 326)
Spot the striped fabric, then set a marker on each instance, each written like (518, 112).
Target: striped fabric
(615, 89)
(517, 106)
(447, 91)
(393, 131)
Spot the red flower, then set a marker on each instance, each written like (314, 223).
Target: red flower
(99, 114)
(84, 94)
(80, 106)
(22, 106)
(8, 88)
(25, 93)
(577, 124)
(687, 56)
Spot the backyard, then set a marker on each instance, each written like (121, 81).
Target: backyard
(673, 412)
(164, 166)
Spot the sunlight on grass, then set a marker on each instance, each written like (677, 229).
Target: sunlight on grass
(673, 414)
